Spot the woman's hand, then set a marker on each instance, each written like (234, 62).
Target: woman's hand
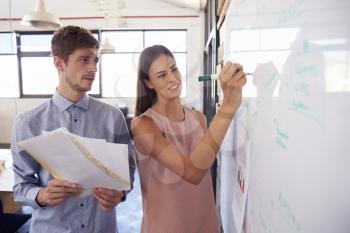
(232, 79)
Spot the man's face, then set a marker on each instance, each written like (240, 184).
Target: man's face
(78, 73)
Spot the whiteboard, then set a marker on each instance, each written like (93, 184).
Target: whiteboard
(297, 112)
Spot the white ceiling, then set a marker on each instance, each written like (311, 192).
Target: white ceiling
(158, 13)
(87, 8)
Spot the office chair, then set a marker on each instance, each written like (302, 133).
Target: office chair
(10, 223)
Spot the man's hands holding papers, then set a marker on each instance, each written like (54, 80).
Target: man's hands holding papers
(101, 164)
(107, 198)
(57, 191)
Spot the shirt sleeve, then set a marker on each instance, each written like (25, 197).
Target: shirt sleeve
(123, 136)
(26, 169)
(132, 168)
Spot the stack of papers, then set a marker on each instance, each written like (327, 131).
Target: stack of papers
(88, 162)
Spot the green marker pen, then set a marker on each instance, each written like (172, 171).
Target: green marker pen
(213, 77)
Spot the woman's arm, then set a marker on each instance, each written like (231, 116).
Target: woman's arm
(192, 168)
(202, 120)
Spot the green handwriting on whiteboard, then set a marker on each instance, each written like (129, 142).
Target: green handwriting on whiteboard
(308, 48)
(306, 69)
(264, 225)
(291, 12)
(306, 45)
(268, 82)
(281, 136)
(302, 88)
(301, 108)
(281, 144)
(287, 212)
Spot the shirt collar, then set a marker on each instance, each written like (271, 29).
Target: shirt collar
(63, 104)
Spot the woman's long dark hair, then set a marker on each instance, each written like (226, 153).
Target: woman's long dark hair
(146, 97)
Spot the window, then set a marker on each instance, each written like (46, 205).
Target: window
(36, 43)
(175, 41)
(39, 77)
(119, 74)
(119, 69)
(38, 74)
(29, 70)
(9, 66)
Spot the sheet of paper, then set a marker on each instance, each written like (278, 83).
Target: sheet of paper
(235, 173)
(87, 161)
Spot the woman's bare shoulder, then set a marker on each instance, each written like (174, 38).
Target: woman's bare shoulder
(142, 123)
(202, 119)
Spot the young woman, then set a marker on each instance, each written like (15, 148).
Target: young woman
(174, 147)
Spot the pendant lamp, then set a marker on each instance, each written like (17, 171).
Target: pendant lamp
(40, 18)
(106, 46)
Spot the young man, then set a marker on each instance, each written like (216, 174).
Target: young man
(56, 207)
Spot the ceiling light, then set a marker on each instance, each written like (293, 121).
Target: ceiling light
(40, 18)
(106, 46)
(197, 5)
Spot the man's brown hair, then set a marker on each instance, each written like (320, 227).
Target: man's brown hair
(67, 39)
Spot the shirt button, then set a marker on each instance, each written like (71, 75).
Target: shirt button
(75, 120)
(83, 226)
(81, 204)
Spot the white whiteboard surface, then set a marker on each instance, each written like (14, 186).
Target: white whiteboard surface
(298, 112)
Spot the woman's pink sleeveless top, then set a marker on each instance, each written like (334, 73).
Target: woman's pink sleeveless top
(171, 204)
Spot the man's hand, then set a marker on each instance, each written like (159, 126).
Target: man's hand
(56, 192)
(107, 198)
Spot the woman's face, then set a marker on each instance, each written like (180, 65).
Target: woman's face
(165, 78)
